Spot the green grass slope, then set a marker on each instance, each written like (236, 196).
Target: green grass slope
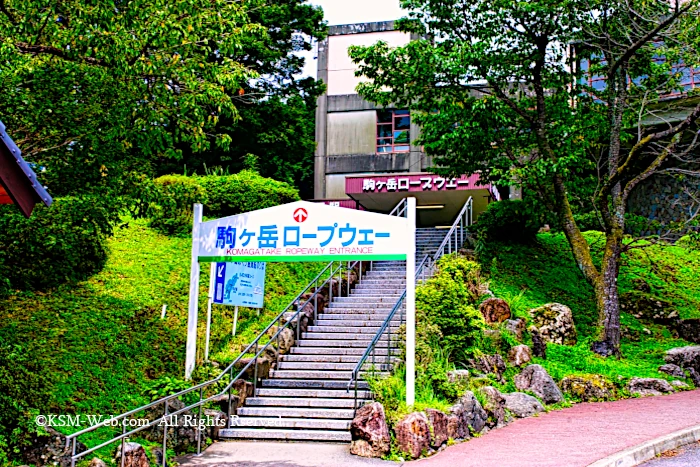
(93, 347)
(528, 276)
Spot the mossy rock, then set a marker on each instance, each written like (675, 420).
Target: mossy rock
(588, 388)
(647, 307)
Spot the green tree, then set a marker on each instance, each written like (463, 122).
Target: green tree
(276, 110)
(92, 91)
(497, 87)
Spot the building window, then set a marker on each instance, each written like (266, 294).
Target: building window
(393, 131)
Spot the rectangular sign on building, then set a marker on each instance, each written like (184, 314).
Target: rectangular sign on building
(240, 284)
(304, 231)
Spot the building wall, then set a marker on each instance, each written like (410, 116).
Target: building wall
(352, 133)
(341, 70)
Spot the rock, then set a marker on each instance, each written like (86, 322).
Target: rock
(263, 366)
(180, 436)
(489, 364)
(216, 420)
(603, 348)
(649, 386)
(588, 388)
(452, 427)
(516, 327)
(689, 329)
(458, 376)
(97, 462)
(679, 384)
(534, 378)
(695, 376)
(286, 341)
(222, 402)
(495, 407)
(244, 389)
(413, 434)
(539, 346)
(49, 449)
(494, 310)
(522, 405)
(673, 370)
(555, 323)
(471, 416)
(647, 307)
(519, 355)
(134, 455)
(370, 433)
(684, 357)
(438, 427)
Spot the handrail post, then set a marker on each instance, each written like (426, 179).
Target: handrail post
(199, 423)
(73, 453)
(348, 278)
(123, 459)
(330, 284)
(255, 371)
(228, 409)
(165, 434)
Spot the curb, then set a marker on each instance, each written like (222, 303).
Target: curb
(650, 449)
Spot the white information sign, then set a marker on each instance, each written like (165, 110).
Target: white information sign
(304, 231)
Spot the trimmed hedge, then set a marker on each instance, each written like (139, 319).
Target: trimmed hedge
(62, 243)
(172, 197)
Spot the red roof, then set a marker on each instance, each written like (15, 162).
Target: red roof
(4, 197)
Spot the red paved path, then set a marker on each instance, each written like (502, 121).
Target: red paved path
(575, 437)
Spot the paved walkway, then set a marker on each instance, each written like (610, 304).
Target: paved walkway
(687, 456)
(574, 437)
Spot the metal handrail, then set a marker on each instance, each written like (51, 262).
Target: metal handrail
(463, 220)
(401, 209)
(456, 234)
(72, 438)
(377, 337)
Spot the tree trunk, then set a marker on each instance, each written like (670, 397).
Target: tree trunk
(608, 298)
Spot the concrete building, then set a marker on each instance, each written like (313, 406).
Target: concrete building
(365, 156)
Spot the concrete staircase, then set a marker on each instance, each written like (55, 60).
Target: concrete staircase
(306, 397)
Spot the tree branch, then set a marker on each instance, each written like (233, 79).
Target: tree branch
(7, 13)
(48, 50)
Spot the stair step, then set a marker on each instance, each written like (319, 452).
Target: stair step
(363, 344)
(293, 412)
(295, 423)
(338, 351)
(299, 402)
(348, 322)
(389, 300)
(282, 434)
(349, 366)
(310, 384)
(324, 393)
(340, 335)
(351, 329)
(334, 375)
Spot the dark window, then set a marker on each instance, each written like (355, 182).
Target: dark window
(393, 131)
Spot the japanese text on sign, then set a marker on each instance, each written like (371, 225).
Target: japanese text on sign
(405, 184)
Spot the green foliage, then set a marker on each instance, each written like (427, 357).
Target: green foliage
(512, 221)
(62, 243)
(172, 197)
(171, 208)
(246, 191)
(165, 386)
(445, 301)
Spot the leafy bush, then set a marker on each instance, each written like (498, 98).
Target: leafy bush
(228, 195)
(446, 302)
(509, 221)
(62, 243)
(171, 200)
(171, 207)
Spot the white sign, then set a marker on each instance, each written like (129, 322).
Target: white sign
(304, 231)
(240, 284)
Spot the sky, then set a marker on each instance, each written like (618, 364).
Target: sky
(352, 11)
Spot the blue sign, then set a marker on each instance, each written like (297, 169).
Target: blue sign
(240, 284)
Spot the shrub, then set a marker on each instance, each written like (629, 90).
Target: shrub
(170, 208)
(509, 221)
(228, 195)
(62, 243)
(446, 301)
(171, 200)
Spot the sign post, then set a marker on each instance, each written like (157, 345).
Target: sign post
(411, 304)
(193, 308)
